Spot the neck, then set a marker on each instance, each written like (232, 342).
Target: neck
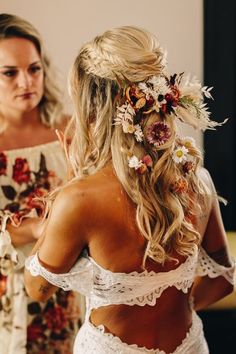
(19, 119)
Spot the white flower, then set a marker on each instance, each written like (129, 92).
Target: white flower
(138, 133)
(127, 127)
(180, 154)
(188, 142)
(134, 162)
(154, 87)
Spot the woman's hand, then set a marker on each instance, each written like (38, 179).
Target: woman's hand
(30, 230)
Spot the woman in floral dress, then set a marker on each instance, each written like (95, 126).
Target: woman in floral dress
(31, 164)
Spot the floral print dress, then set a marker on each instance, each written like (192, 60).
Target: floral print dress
(27, 326)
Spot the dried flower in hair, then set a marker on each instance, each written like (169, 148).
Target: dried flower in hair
(142, 165)
(147, 160)
(180, 186)
(158, 133)
(188, 142)
(188, 166)
(180, 154)
(134, 162)
(124, 116)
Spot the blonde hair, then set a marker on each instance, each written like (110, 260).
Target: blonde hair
(12, 26)
(131, 54)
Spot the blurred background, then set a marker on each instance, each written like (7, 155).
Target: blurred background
(199, 36)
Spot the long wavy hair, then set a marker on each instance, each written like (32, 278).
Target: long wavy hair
(12, 26)
(131, 54)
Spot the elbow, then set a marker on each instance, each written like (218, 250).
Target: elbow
(35, 295)
(36, 290)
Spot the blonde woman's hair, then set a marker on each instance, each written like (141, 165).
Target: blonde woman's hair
(12, 26)
(132, 55)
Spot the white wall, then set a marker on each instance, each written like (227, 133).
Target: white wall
(67, 24)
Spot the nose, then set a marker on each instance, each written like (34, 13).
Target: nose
(24, 80)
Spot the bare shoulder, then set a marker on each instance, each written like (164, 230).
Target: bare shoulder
(73, 197)
(67, 226)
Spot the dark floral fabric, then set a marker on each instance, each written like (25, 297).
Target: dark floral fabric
(51, 326)
(3, 164)
(33, 184)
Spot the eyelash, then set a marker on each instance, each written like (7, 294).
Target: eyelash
(11, 73)
(34, 69)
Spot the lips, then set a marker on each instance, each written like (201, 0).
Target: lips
(26, 95)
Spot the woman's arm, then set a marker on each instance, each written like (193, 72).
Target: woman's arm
(63, 240)
(208, 290)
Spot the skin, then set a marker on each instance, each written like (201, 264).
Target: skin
(109, 231)
(21, 90)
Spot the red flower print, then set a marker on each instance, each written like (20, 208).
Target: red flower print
(35, 332)
(21, 171)
(55, 318)
(32, 201)
(3, 164)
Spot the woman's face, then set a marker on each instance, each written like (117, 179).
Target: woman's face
(21, 76)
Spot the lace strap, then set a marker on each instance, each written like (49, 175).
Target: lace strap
(36, 269)
(207, 266)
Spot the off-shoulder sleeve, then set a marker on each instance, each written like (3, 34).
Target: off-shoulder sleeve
(79, 278)
(207, 266)
(33, 265)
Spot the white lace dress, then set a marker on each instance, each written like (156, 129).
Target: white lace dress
(27, 326)
(103, 287)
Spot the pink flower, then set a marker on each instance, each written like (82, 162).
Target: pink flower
(158, 133)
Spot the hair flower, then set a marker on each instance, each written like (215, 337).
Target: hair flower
(134, 162)
(188, 167)
(180, 186)
(138, 133)
(127, 127)
(142, 165)
(188, 142)
(147, 160)
(158, 133)
(180, 154)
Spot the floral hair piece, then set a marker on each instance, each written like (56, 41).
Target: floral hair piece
(182, 154)
(175, 95)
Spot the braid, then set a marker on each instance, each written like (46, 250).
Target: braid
(103, 59)
(99, 62)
